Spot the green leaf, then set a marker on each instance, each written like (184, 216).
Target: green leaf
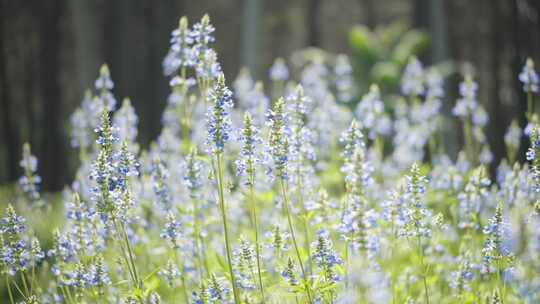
(362, 40)
(410, 44)
(151, 273)
(153, 284)
(385, 72)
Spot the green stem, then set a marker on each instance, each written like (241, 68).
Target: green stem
(198, 240)
(225, 228)
(131, 256)
(182, 277)
(256, 232)
(9, 291)
(530, 105)
(291, 231)
(469, 149)
(424, 269)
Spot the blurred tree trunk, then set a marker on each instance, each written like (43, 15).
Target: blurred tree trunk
(31, 98)
(496, 36)
(251, 36)
(88, 40)
(312, 18)
(9, 140)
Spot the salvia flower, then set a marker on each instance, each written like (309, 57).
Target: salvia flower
(533, 156)
(289, 274)
(248, 157)
(344, 81)
(495, 245)
(170, 272)
(30, 180)
(418, 221)
(104, 85)
(326, 257)
(351, 138)
(412, 82)
(173, 231)
(103, 172)
(434, 84)
(217, 291)
(208, 67)
(98, 274)
(277, 239)
(529, 77)
(466, 105)
(244, 259)
(126, 119)
(14, 254)
(217, 117)
(202, 32)
(279, 70)
(472, 198)
(461, 278)
(370, 112)
(512, 137)
(160, 174)
(82, 122)
(180, 52)
(192, 169)
(278, 144)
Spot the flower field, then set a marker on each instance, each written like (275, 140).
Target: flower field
(288, 191)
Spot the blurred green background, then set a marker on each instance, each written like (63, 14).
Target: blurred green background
(50, 52)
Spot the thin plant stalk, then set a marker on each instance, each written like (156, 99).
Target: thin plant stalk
(293, 237)
(256, 232)
(225, 227)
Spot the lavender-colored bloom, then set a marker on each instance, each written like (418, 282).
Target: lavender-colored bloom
(208, 67)
(180, 54)
(344, 80)
(170, 272)
(467, 104)
(126, 119)
(512, 137)
(418, 222)
(217, 117)
(495, 246)
(434, 84)
(104, 85)
(30, 181)
(217, 292)
(162, 192)
(202, 32)
(173, 231)
(244, 263)
(249, 157)
(98, 275)
(370, 113)
(460, 279)
(326, 257)
(82, 121)
(533, 156)
(192, 168)
(278, 144)
(277, 239)
(412, 82)
(529, 77)
(279, 70)
(480, 117)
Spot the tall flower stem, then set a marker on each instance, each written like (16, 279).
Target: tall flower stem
(256, 232)
(293, 237)
(530, 104)
(9, 291)
(424, 268)
(225, 227)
